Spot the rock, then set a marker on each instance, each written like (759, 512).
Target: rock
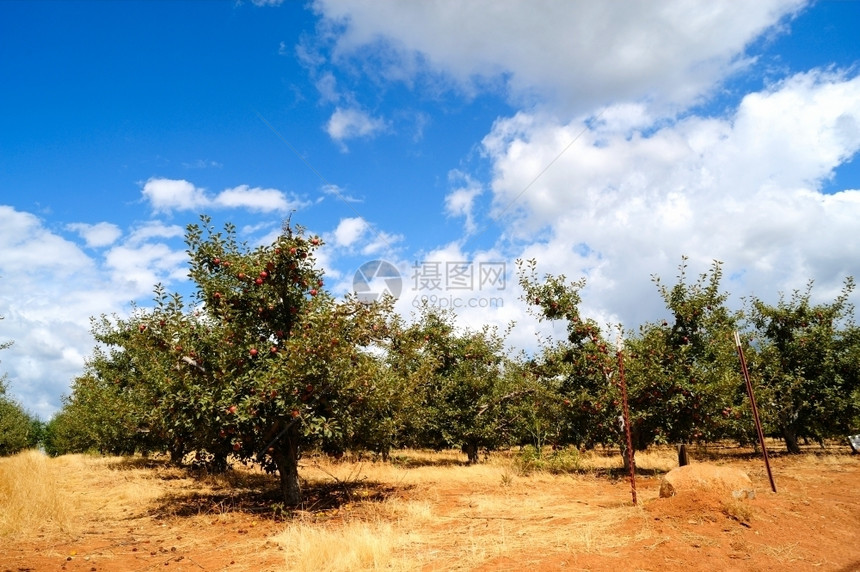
(708, 478)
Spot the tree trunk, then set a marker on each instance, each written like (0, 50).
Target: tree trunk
(682, 455)
(177, 454)
(789, 434)
(286, 457)
(471, 450)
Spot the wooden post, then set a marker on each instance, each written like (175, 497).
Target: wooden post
(758, 428)
(625, 413)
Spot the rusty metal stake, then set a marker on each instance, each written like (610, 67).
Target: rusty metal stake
(754, 409)
(625, 412)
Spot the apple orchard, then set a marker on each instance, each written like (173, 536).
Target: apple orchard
(263, 365)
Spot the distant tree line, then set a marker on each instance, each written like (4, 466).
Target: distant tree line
(18, 429)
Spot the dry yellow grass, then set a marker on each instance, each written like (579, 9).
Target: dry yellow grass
(424, 510)
(463, 516)
(31, 497)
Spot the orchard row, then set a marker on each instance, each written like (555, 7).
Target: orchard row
(264, 364)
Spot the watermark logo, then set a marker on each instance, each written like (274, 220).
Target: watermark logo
(439, 284)
(375, 279)
(459, 275)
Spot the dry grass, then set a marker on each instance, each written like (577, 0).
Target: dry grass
(31, 497)
(457, 517)
(423, 510)
(351, 546)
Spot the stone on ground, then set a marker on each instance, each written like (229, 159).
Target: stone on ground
(702, 477)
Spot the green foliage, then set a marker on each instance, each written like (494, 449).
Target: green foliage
(465, 396)
(263, 365)
(67, 433)
(577, 374)
(16, 427)
(683, 376)
(805, 359)
(18, 430)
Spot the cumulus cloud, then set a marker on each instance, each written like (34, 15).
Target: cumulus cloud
(254, 199)
(96, 235)
(167, 195)
(352, 123)
(29, 249)
(745, 189)
(582, 53)
(50, 287)
(349, 230)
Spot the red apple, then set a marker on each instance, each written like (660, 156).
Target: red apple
(142, 327)
(295, 413)
(263, 274)
(274, 349)
(241, 276)
(315, 241)
(313, 293)
(237, 446)
(258, 281)
(216, 261)
(253, 352)
(231, 410)
(293, 251)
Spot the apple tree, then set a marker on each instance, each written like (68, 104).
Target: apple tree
(580, 368)
(460, 376)
(804, 359)
(684, 379)
(296, 367)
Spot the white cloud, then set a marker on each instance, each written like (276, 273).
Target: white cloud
(340, 193)
(167, 195)
(585, 53)
(619, 206)
(461, 201)
(352, 123)
(254, 199)
(29, 249)
(50, 287)
(154, 229)
(96, 235)
(349, 230)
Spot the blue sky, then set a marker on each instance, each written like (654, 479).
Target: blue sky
(606, 140)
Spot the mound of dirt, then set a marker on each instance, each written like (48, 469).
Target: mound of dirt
(702, 477)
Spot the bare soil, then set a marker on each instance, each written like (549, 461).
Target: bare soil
(139, 514)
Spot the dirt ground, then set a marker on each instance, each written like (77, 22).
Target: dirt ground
(138, 515)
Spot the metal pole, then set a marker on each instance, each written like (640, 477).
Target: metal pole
(625, 412)
(758, 428)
